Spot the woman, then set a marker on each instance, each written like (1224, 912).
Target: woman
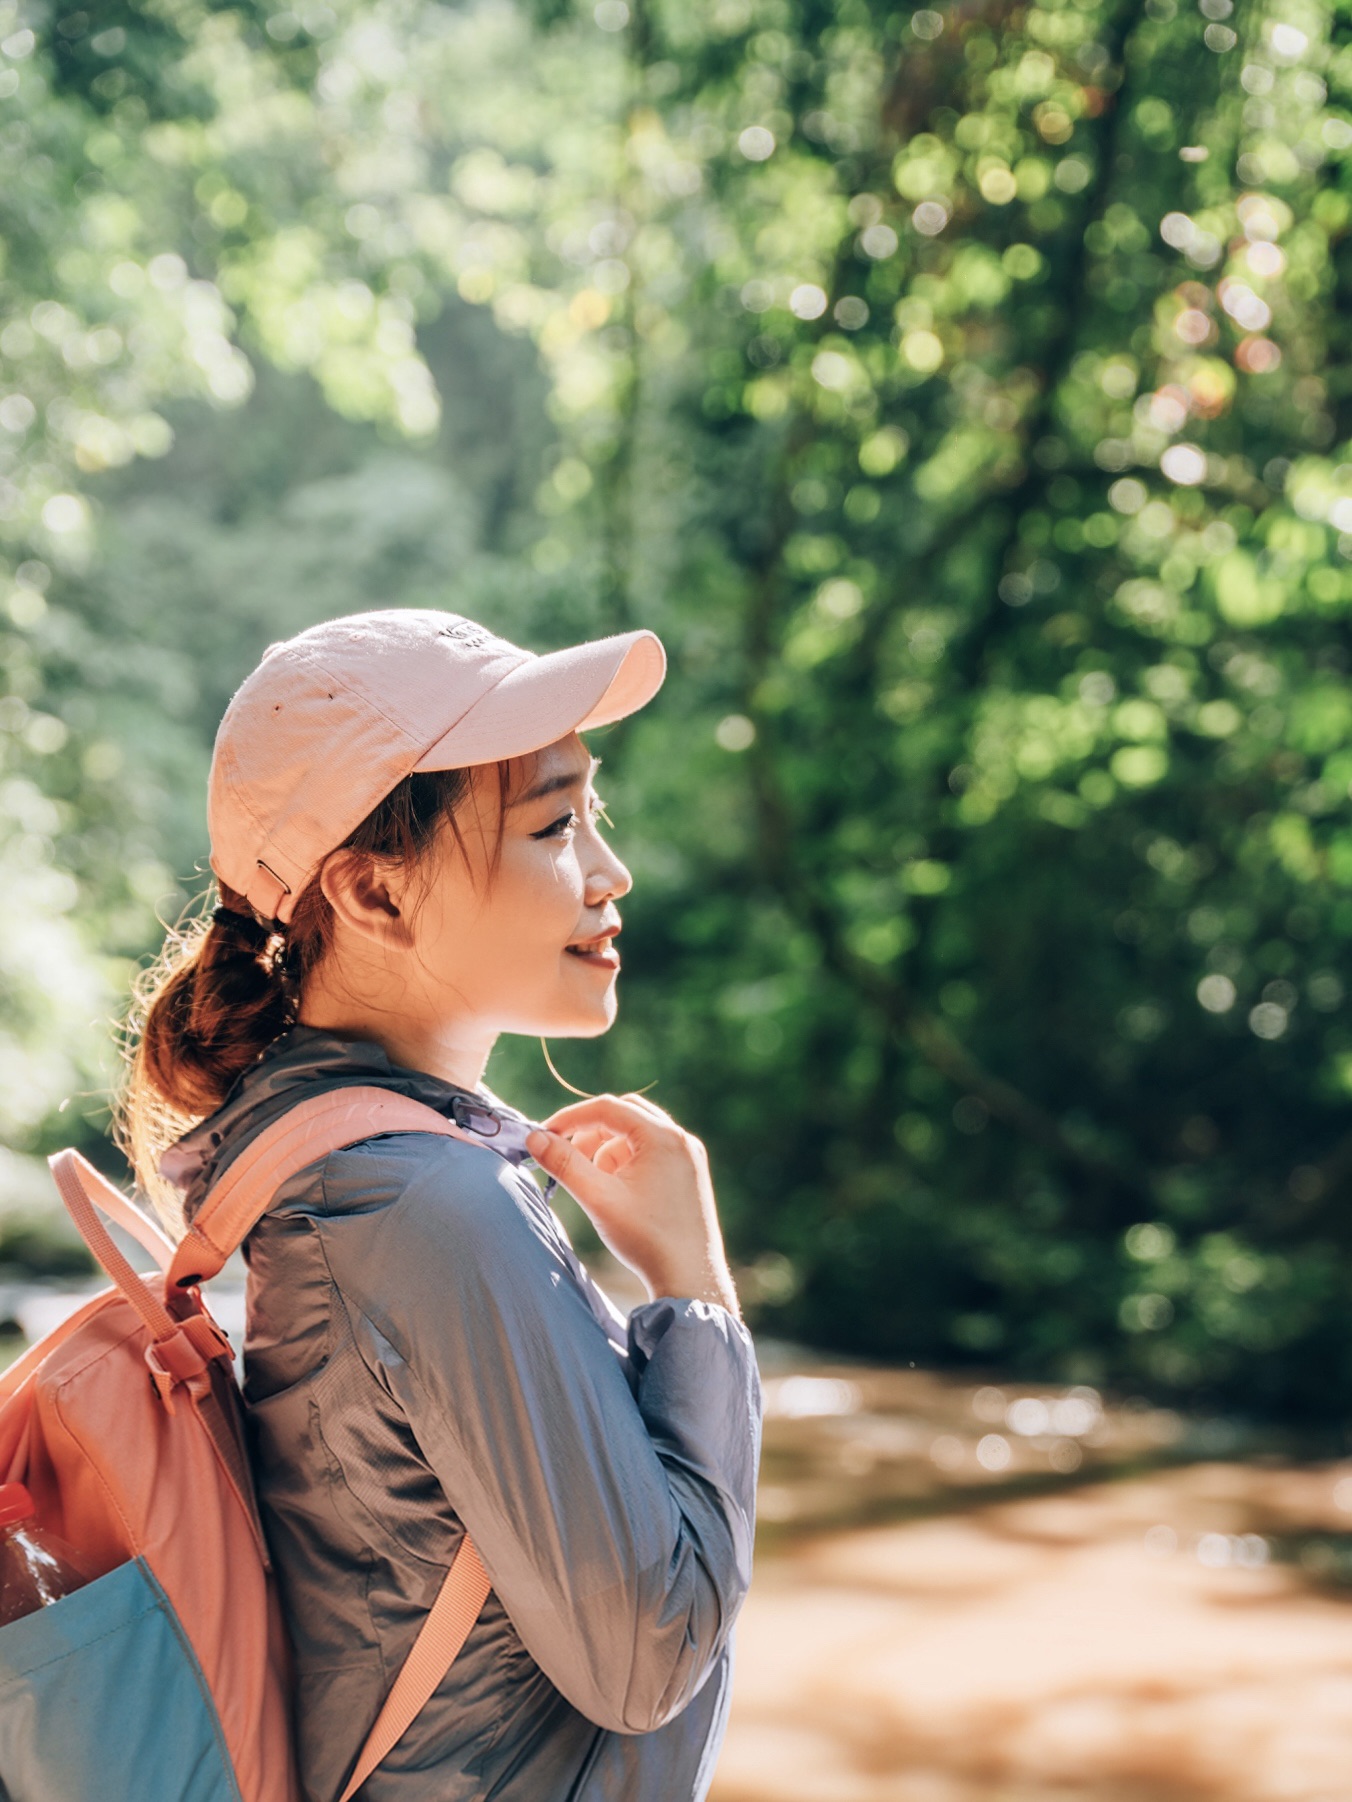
(404, 832)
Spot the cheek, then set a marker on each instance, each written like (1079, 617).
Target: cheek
(537, 899)
(510, 931)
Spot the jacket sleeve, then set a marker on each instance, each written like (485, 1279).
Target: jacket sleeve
(611, 1499)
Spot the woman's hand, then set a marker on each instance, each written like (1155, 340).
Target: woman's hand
(644, 1183)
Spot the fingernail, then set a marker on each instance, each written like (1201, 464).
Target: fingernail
(537, 1141)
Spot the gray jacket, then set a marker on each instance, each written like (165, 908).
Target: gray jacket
(425, 1354)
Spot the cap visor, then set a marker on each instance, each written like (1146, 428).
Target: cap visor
(545, 698)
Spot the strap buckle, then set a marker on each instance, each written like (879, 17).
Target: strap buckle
(185, 1356)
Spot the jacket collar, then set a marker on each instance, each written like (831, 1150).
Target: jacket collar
(305, 1061)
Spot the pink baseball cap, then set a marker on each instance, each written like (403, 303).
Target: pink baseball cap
(333, 719)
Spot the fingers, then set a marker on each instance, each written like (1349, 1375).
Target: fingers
(562, 1160)
(589, 1140)
(650, 1107)
(618, 1113)
(613, 1156)
(595, 1111)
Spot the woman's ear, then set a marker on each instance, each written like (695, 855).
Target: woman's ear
(366, 897)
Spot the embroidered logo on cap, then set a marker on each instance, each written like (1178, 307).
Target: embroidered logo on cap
(467, 633)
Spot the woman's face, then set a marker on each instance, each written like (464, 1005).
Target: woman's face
(525, 946)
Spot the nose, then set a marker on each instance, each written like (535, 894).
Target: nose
(607, 877)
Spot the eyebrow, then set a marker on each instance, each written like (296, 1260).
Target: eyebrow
(552, 784)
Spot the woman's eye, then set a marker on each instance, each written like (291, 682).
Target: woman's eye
(566, 821)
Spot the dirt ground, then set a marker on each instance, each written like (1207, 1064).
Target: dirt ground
(1161, 1637)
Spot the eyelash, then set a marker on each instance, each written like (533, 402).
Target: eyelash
(557, 827)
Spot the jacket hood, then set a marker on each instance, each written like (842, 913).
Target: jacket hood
(305, 1061)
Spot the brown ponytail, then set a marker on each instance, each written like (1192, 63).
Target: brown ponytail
(226, 984)
(223, 998)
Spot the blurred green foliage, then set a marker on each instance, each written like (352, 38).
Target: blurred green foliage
(966, 396)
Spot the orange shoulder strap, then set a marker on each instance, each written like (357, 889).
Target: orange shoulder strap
(303, 1135)
(435, 1650)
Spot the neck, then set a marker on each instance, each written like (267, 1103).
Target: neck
(457, 1051)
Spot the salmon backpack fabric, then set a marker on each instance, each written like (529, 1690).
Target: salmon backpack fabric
(167, 1676)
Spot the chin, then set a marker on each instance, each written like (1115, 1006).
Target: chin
(590, 1027)
(595, 1029)
(578, 1023)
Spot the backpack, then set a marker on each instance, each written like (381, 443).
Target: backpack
(167, 1675)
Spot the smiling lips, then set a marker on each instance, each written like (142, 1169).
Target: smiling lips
(598, 952)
